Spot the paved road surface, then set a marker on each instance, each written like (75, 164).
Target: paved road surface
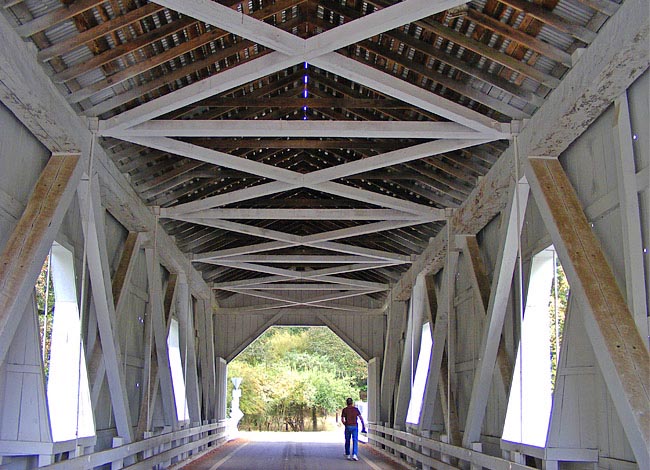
(290, 451)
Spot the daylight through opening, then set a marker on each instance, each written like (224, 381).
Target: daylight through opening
(297, 379)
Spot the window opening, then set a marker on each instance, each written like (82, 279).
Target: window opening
(421, 372)
(529, 405)
(45, 307)
(178, 377)
(70, 413)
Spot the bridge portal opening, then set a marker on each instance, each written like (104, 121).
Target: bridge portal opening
(297, 379)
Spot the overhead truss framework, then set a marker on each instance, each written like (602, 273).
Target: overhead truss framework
(458, 128)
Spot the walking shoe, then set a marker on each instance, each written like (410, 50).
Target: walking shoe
(349, 457)
(354, 457)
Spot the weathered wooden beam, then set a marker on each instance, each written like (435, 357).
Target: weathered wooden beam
(514, 34)
(390, 370)
(187, 336)
(481, 285)
(92, 214)
(619, 349)
(504, 269)
(92, 34)
(616, 58)
(26, 249)
(56, 16)
(628, 191)
(34, 100)
(160, 330)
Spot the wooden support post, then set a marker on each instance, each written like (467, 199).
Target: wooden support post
(448, 404)
(206, 339)
(120, 283)
(481, 284)
(98, 270)
(184, 312)
(620, 351)
(25, 251)
(513, 217)
(392, 354)
(628, 196)
(441, 304)
(410, 352)
(374, 384)
(160, 333)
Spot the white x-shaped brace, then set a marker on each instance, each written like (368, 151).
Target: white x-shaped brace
(317, 50)
(474, 129)
(323, 301)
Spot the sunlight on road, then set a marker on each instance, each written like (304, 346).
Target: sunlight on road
(325, 437)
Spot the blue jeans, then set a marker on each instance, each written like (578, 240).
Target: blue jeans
(352, 432)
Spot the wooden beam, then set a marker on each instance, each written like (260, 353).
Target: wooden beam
(30, 95)
(619, 349)
(392, 353)
(617, 57)
(628, 191)
(159, 325)
(481, 285)
(26, 249)
(91, 34)
(92, 214)
(287, 102)
(284, 128)
(511, 224)
(56, 16)
(187, 333)
(441, 304)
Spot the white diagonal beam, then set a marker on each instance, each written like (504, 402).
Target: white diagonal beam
(319, 301)
(284, 128)
(292, 50)
(231, 197)
(384, 83)
(301, 287)
(306, 259)
(330, 279)
(303, 214)
(330, 246)
(304, 275)
(499, 296)
(309, 240)
(318, 180)
(102, 292)
(395, 157)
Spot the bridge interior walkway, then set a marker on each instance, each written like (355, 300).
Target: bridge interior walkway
(290, 451)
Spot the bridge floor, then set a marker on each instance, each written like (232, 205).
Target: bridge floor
(290, 451)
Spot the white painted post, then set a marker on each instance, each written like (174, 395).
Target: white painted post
(119, 463)
(628, 196)
(478, 447)
(445, 457)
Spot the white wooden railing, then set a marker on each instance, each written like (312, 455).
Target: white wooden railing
(163, 449)
(431, 453)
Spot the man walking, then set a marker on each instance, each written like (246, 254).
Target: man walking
(349, 417)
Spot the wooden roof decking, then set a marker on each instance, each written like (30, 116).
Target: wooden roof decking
(499, 59)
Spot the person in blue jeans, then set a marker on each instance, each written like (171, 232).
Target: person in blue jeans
(349, 417)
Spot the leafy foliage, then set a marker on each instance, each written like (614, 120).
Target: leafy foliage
(290, 374)
(557, 311)
(44, 291)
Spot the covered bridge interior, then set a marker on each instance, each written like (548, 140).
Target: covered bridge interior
(197, 171)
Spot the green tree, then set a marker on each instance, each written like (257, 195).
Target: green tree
(558, 304)
(292, 373)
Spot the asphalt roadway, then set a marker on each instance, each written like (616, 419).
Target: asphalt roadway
(290, 451)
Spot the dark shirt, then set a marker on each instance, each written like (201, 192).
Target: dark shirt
(349, 415)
